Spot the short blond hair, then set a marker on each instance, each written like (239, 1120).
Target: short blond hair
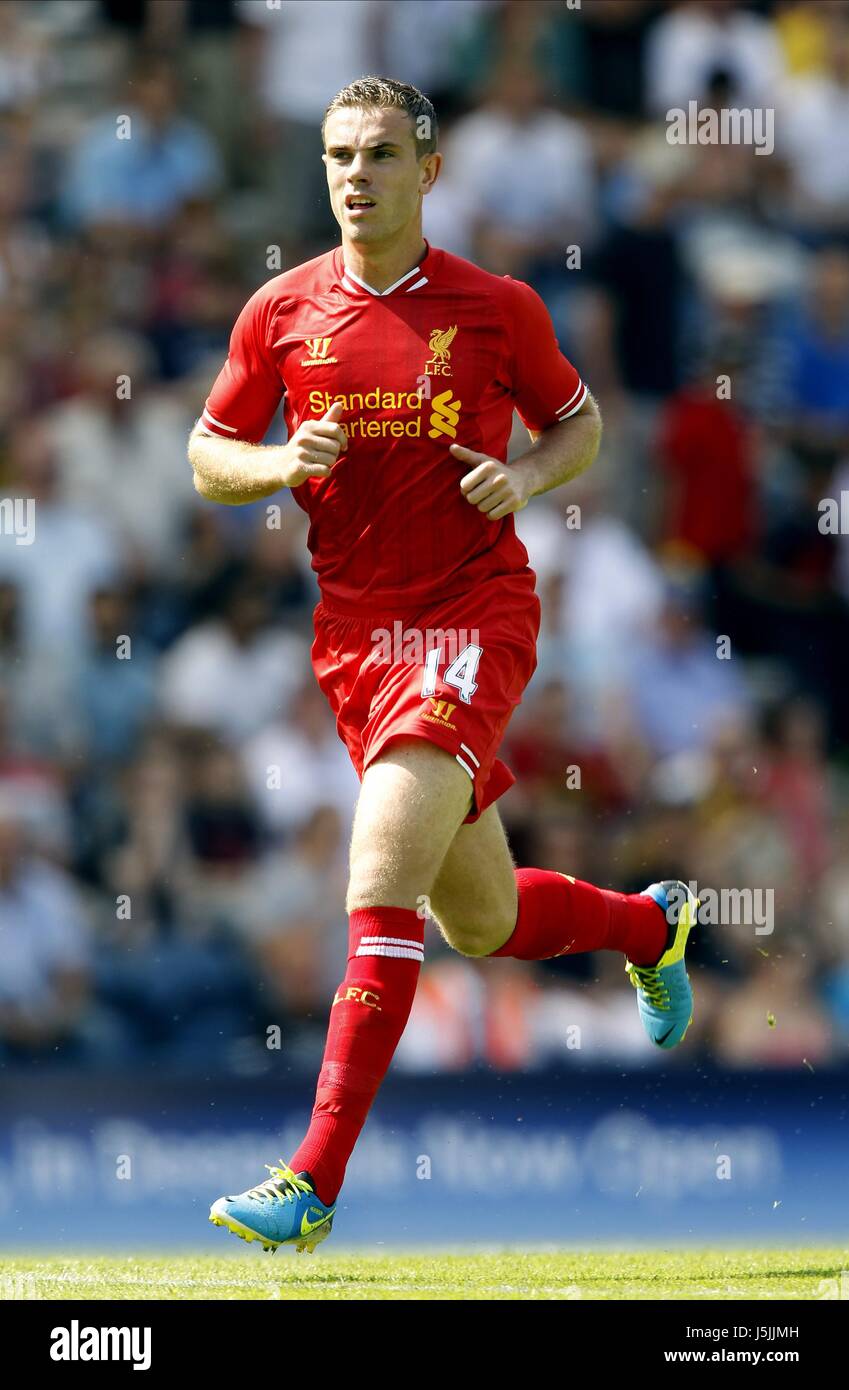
(382, 92)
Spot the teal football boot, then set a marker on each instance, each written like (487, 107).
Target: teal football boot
(664, 996)
(283, 1210)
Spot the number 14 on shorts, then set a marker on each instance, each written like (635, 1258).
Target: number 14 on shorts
(460, 674)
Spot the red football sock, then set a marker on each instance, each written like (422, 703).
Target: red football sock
(367, 1017)
(561, 916)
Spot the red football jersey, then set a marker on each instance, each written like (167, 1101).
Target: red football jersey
(443, 355)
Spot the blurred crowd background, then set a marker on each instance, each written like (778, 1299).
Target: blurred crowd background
(174, 808)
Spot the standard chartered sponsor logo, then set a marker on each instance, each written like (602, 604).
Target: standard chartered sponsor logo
(445, 415)
(406, 405)
(376, 399)
(362, 426)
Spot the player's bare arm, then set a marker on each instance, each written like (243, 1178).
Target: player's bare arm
(235, 472)
(556, 456)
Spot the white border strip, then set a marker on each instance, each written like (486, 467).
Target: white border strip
(404, 952)
(211, 420)
(563, 413)
(390, 941)
(349, 275)
(571, 399)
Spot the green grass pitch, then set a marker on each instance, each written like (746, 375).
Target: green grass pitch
(757, 1274)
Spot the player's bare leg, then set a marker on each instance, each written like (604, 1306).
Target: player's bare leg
(474, 899)
(412, 802)
(409, 846)
(413, 799)
(484, 906)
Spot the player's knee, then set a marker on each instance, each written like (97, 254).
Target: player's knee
(473, 945)
(471, 935)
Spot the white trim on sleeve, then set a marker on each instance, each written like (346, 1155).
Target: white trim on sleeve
(216, 424)
(566, 410)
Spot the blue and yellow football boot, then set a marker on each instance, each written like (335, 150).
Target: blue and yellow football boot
(664, 996)
(283, 1210)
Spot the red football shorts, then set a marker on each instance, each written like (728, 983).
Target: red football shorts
(451, 674)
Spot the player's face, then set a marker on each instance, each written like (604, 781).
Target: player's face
(376, 182)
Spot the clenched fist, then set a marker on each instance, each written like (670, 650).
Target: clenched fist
(314, 448)
(494, 488)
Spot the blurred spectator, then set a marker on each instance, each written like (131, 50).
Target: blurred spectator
(288, 38)
(146, 857)
(59, 553)
(120, 450)
(802, 27)
(603, 59)
(45, 948)
(37, 711)
(208, 36)
(136, 166)
(796, 785)
(115, 687)
(169, 967)
(24, 58)
(639, 277)
(280, 561)
(28, 778)
(814, 354)
(813, 134)
(222, 830)
(634, 318)
(707, 448)
(551, 759)
(195, 294)
(427, 39)
(298, 763)
(602, 587)
(680, 683)
(787, 598)
(692, 42)
(230, 675)
(293, 917)
(526, 174)
(445, 1029)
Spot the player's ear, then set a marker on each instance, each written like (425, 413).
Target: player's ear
(431, 165)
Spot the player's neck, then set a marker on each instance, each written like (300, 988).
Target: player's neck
(380, 266)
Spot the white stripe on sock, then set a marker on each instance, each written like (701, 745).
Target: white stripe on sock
(404, 952)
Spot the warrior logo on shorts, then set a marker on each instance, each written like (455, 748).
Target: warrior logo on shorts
(441, 713)
(442, 709)
(439, 345)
